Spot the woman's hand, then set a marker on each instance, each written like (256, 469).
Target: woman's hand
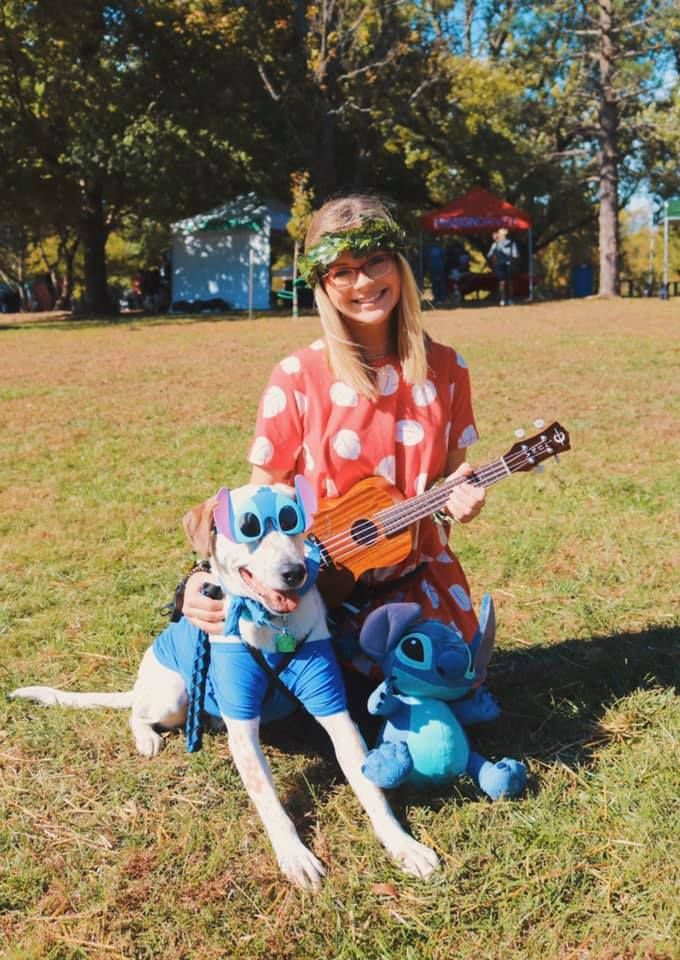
(465, 500)
(204, 613)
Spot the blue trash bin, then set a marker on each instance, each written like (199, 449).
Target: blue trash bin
(582, 280)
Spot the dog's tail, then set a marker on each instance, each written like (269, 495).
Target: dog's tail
(49, 696)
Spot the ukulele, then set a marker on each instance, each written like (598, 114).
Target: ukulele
(371, 526)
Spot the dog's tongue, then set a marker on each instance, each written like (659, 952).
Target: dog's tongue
(279, 601)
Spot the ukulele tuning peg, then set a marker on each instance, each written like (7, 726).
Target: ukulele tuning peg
(519, 432)
(539, 423)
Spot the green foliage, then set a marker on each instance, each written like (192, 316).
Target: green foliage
(301, 206)
(119, 115)
(371, 235)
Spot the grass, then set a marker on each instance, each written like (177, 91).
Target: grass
(110, 431)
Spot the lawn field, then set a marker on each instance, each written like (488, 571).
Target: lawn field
(110, 431)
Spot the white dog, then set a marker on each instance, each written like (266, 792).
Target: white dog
(255, 539)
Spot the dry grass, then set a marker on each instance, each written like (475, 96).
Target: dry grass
(111, 430)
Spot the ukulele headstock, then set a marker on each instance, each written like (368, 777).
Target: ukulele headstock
(527, 454)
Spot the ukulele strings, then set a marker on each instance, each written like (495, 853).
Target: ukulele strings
(393, 518)
(398, 516)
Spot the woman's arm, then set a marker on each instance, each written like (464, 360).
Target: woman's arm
(262, 477)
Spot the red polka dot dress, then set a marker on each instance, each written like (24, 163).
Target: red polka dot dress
(311, 423)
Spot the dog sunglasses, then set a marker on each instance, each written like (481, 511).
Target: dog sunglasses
(266, 508)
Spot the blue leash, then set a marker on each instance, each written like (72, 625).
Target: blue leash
(238, 607)
(199, 679)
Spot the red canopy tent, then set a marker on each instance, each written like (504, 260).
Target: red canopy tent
(478, 211)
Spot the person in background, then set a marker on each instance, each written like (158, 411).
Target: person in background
(375, 395)
(437, 266)
(503, 256)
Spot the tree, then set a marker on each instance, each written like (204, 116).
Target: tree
(596, 65)
(300, 213)
(116, 110)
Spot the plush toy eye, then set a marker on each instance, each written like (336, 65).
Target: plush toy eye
(250, 526)
(412, 647)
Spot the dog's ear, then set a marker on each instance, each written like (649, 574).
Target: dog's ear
(383, 628)
(198, 526)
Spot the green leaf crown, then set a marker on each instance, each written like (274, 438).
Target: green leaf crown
(371, 235)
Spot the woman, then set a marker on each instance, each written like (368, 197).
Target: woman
(374, 396)
(503, 256)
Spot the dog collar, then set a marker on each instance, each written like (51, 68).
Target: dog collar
(247, 609)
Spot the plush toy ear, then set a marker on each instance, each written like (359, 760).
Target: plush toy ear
(384, 627)
(306, 499)
(485, 638)
(224, 514)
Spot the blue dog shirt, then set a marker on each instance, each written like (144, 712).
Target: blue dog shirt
(237, 685)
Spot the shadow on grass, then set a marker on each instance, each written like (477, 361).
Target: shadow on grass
(553, 698)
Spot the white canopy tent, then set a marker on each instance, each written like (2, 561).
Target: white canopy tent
(671, 211)
(225, 253)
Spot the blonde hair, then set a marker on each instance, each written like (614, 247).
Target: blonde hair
(345, 357)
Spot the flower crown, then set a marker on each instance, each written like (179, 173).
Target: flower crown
(371, 235)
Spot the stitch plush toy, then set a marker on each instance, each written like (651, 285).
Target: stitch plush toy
(426, 698)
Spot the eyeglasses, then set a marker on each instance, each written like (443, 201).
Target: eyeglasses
(266, 507)
(375, 267)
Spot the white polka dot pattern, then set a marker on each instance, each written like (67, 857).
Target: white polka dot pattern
(273, 402)
(424, 394)
(467, 437)
(291, 365)
(347, 444)
(461, 597)
(388, 380)
(343, 396)
(261, 452)
(430, 593)
(301, 402)
(386, 469)
(409, 432)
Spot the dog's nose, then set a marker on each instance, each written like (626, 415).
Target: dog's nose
(295, 575)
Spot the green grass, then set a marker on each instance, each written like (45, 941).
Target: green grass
(111, 431)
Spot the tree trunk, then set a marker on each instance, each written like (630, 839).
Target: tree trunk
(326, 166)
(609, 169)
(66, 286)
(94, 234)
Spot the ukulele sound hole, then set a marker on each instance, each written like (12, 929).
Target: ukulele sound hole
(364, 532)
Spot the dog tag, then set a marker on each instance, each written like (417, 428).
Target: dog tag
(285, 642)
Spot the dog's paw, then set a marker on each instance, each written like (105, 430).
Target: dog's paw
(148, 742)
(300, 866)
(413, 857)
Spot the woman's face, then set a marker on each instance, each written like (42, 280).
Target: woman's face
(364, 298)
